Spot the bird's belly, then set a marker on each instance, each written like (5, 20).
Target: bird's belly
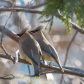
(24, 56)
(47, 57)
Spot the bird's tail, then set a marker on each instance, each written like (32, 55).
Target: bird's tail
(36, 70)
(59, 64)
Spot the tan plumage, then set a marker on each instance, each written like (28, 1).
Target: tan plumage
(49, 52)
(29, 49)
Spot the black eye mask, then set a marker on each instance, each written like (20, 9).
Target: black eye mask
(20, 34)
(34, 31)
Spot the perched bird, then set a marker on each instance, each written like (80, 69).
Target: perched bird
(49, 52)
(30, 50)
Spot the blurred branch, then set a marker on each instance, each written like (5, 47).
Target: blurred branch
(4, 28)
(9, 33)
(7, 54)
(67, 70)
(3, 48)
(69, 47)
(74, 26)
(7, 77)
(32, 7)
(66, 56)
(20, 10)
(29, 72)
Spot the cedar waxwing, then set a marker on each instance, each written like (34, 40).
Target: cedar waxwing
(30, 50)
(49, 52)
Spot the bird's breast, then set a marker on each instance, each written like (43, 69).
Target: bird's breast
(47, 57)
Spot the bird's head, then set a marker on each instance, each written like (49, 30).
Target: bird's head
(36, 30)
(21, 33)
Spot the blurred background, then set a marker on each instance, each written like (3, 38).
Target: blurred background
(58, 37)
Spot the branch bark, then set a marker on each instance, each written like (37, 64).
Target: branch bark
(20, 10)
(66, 56)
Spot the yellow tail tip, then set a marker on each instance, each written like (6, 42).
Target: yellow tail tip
(37, 76)
(62, 70)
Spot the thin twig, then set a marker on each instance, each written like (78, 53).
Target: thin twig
(74, 26)
(32, 7)
(2, 39)
(69, 47)
(20, 10)
(29, 72)
(66, 56)
(4, 28)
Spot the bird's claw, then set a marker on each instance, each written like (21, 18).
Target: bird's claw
(37, 76)
(62, 70)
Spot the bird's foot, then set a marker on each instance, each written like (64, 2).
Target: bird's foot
(62, 70)
(37, 76)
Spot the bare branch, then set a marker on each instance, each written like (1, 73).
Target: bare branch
(20, 10)
(69, 47)
(4, 29)
(66, 56)
(7, 78)
(32, 7)
(9, 33)
(74, 26)
(9, 4)
(10, 77)
(67, 70)
(2, 40)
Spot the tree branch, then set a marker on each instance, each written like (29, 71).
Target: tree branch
(32, 7)
(9, 33)
(20, 10)
(66, 56)
(67, 70)
(69, 47)
(74, 26)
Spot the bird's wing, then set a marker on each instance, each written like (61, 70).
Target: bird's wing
(51, 52)
(30, 56)
(40, 52)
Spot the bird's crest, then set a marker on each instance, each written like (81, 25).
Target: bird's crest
(37, 29)
(24, 30)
